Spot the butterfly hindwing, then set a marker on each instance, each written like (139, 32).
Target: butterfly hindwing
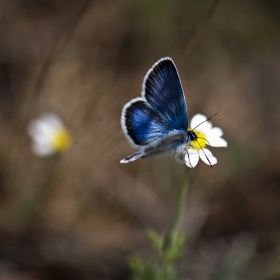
(168, 143)
(142, 124)
(163, 91)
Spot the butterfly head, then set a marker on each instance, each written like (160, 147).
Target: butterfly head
(192, 135)
(197, 139)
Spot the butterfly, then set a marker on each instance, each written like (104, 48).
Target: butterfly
(157, 122)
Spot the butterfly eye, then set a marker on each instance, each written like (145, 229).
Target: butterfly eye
(192, 136)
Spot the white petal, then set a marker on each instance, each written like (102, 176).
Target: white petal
(218, 142)
(215, 132)
(52, 120)
(197, 124)
(42, 150)
(41, 132)
(44, 124)
(214, 137)
(207, 157)
(197, 119)
(191, 158)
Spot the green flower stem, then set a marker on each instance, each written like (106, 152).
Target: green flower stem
(173, 243)
(170, 249)
(181, 202)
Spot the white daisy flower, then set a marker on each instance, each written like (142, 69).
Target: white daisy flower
(205, 135)
(49, 135)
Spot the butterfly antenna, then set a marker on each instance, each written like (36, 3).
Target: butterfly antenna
(205, 121)
(205, 154)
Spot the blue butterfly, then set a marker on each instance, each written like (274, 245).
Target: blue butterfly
(157, 122)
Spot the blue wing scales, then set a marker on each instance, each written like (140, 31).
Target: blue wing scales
(143, 124)
(163, 91)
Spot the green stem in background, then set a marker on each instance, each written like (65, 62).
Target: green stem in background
(181, 204)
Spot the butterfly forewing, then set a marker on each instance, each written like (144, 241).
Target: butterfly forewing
(163, 91)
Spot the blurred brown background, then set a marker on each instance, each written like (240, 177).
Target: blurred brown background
(80, 215)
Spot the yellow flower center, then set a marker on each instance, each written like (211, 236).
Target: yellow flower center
(61, 140)
(200, 141)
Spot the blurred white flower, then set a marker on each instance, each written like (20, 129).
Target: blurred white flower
(204, 134)
(49, 135)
